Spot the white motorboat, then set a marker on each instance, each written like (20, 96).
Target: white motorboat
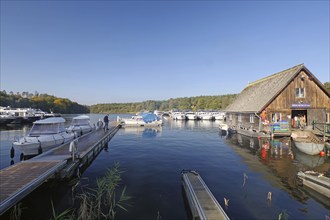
(219, 115)
(44, 135)
(224, 128)
(81, 125)
(204, 115)
(178, 115)
(144, 119)
(6, 119)
(307, 142)
(191, 115)
(316, 181)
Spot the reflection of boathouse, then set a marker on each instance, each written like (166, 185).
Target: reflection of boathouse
(278, 102)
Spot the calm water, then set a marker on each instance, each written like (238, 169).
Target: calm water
(153, 159)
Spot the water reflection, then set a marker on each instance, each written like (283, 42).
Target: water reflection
(144, 132)
(278, 162)
(309, 161)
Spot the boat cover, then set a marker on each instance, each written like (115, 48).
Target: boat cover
(149, 117)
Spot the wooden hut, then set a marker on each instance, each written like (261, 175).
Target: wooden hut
(274, 104)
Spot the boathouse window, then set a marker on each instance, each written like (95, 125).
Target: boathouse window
(327, 118)
(276, 117)
(300, 92)
(251, 118)
(240, 118)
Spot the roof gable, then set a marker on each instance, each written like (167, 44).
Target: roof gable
(259, 93)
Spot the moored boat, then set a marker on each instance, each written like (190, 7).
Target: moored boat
(81, 125)
(315, 181)
(44, 135)
(307, 142)
(6, 119)
(191, 115)
(219, 115)
(204, 115)
(144, 119)
(224, 128)
(178, 115)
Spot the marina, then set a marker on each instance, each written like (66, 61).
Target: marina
(238, 168)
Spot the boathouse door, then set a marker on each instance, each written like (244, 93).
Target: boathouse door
(297, 115)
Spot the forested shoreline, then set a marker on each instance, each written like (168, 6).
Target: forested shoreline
(192, 103)
(52, 103)
(45, 102)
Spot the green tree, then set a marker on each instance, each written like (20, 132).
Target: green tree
(327, 86)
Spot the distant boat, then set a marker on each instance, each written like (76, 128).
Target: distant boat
(219, 115)
(144, 119)
(316, 181)
(176, 115)
(204, 115)
(191, 115)
(44, 135)
(6, 119)
(81, 125)
(307, 142)
(224, 128)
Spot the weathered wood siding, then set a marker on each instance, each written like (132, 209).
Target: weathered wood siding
(245, 121)
(318, 100)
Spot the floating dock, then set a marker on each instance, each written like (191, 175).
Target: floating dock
(202, 203)
(18, 180)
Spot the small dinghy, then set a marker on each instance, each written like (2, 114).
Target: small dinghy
(307, 142)
(315, 181)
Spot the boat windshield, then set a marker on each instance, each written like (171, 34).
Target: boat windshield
(42, 129)
(80, 122)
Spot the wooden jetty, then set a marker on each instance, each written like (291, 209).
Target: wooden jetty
(19, 180)
(202, 203)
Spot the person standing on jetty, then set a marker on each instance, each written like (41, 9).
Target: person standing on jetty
(106, 122)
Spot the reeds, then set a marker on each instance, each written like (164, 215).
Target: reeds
(100, 202)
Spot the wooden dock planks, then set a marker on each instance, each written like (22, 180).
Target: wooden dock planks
(19, 180)
(202, 203)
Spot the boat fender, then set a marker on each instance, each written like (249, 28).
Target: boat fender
(21, 157)
(99, 123)
(322, 154)
(39, 149)
(63, 139)
(12, 151)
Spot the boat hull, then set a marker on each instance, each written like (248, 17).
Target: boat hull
(307, 142)
(30, 146)
(81, 129)
(316, 182)
(309, 148)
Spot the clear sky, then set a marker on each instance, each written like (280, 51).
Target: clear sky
(131, 51)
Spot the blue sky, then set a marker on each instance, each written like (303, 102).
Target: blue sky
(131, 51)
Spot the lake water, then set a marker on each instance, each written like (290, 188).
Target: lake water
(154, 158)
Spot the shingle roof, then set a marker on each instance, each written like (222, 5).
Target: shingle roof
(257, 94)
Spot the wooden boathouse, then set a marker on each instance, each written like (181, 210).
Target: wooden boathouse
(18, 180)
(288, 99)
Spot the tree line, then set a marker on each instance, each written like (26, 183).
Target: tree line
(44, 102)
(49, 103)
(188, 103)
